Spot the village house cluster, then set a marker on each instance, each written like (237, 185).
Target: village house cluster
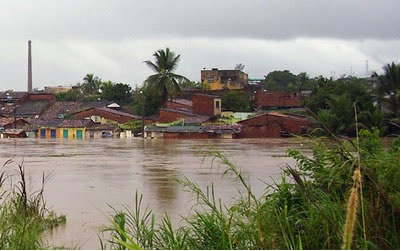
(195, 114)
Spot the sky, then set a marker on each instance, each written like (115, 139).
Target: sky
(111, 39)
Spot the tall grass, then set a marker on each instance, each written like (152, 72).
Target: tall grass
(307, 209)
(23, 216)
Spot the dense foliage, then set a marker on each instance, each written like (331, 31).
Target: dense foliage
(306, 213)
(286, 81)
(237, 101)
(94, 89)
(24, 217)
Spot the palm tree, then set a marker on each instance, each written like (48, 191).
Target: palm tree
(388, 89)
(165, 81)
(91, 84)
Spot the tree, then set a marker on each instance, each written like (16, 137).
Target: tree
(387, 91)
(237, 101)
(165, 81)
(115, 92)
(91, 84)
(281, 81)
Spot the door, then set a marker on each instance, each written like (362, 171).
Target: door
(79, 134)
(52, 133)
(65, 134)
(43, 133)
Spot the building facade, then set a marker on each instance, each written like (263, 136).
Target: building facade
(217, 79)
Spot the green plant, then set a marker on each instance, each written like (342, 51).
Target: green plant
(23, 216)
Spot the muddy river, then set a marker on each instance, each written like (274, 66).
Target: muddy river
(87, 175)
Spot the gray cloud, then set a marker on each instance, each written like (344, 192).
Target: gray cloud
(113, 38)
(270, 20)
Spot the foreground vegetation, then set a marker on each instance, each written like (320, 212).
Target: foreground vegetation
(346, 195)
(23, 216)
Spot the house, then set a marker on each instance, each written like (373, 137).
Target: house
(273, 125)
(57, 89)
(205, 104)
(60, 110)
(224, 79)
(13, 133)
(25, 105)
(265, 99)
(192, 131)
(105, 115)
(102, 130)
(7, 95)
(10, 123)
(66, 129)
(204, 108)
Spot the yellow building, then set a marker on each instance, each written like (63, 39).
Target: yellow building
(224, 79)
(65, 129)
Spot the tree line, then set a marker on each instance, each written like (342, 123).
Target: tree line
(377, 99)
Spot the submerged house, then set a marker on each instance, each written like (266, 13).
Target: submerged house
(66, 129)
(273, 125)
(192, 131)
(105, 115)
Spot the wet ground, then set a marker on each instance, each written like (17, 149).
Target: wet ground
(87, 175)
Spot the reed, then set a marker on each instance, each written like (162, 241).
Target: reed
(314, 206)
(24, 217)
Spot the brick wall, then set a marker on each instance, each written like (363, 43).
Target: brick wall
(277, 99)
(42, 97)
(174, 105)
(203, 104)
(188, 135)
(266, 131)
(169, 116)
(269, 125)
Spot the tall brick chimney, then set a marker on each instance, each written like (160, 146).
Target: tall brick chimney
(29, 67)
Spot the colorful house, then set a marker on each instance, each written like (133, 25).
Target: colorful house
(224, 79)
(65, 129)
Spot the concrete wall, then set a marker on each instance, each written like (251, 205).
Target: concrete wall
(224, 79)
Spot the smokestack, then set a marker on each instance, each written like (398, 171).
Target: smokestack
(29, 67)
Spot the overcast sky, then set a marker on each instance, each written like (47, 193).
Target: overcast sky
(112, 38)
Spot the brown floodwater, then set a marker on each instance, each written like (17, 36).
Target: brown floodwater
(89, 175)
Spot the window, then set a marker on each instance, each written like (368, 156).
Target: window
(210, 80)
(217, 104)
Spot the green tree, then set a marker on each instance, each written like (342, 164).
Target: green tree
(332, 103)
(281, 81)
(387, 92)
(115, 92)
(237, 101)
(165, 81)
(91, 84)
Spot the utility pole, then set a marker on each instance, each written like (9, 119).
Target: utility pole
(143, 114)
